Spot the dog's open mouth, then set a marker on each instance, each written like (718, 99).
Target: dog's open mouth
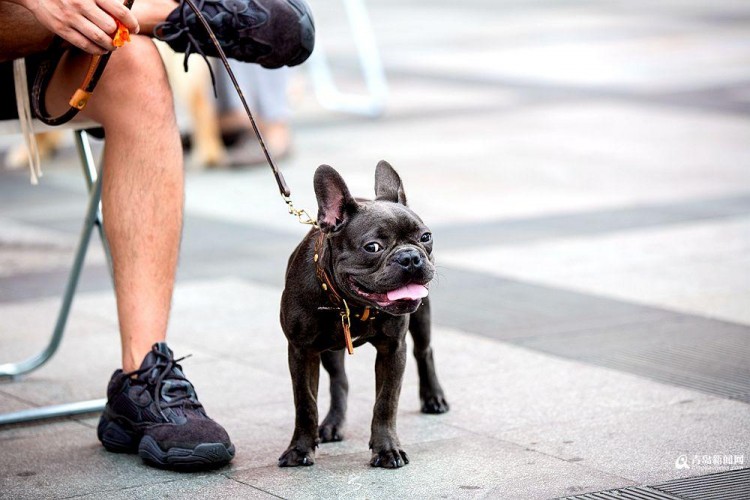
(411, 292)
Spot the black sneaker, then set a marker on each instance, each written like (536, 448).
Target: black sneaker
(272, 33)
(157, 415)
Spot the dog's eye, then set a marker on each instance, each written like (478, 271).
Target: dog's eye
(426, 238)
(373, 247)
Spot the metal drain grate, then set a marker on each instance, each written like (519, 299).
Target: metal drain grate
(732, 485)
(634, 493)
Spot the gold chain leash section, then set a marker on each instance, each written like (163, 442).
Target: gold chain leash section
(302, 216)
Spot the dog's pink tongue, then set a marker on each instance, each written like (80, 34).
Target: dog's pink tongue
(409, 292)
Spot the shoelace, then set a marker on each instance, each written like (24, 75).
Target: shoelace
(180, 29)
(172, 31)
(164, 368)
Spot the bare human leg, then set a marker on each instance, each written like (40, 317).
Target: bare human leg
(142, 192)
(143, 176)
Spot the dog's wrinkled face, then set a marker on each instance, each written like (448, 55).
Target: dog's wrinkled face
(383, 257)
(380, 251)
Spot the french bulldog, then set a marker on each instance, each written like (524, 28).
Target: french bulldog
(372, 259)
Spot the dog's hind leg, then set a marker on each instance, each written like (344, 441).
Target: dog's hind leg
(304, 365)
(430, 392)
(332, 427)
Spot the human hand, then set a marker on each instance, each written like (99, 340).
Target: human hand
(87, 24)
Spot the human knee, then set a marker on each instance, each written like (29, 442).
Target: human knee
(135, 84)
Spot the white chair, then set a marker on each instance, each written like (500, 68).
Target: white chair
(327, 92)
(92, 218)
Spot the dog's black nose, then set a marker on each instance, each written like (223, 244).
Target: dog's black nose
(409, 259)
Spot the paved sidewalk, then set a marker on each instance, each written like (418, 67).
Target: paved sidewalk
(583, 166)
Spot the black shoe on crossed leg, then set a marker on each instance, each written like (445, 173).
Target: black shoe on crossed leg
(272, 33)
(154, 411)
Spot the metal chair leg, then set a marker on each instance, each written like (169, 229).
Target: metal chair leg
(93, 218)
(54, 411)
(91, 177)
(328, 93)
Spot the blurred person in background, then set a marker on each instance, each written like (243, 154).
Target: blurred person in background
(266, 93)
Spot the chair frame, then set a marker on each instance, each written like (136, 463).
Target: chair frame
(93, 218)
(372, 104)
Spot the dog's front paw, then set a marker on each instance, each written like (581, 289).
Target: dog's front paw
(389, 459)
(293, 457)
(435, 404)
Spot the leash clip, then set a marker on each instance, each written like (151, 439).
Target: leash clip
(302, 216)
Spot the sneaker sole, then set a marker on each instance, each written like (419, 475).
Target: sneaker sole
(203, 456)
(117, 439)
(298, 8)
(307, 32)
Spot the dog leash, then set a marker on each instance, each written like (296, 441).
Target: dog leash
(96, 68)
(302, 216)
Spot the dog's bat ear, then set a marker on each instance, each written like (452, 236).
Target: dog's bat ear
(388, 185)
(335, 204)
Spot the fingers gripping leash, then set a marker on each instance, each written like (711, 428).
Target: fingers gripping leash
(80, 98)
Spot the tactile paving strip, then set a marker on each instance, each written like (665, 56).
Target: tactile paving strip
(690, 351)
